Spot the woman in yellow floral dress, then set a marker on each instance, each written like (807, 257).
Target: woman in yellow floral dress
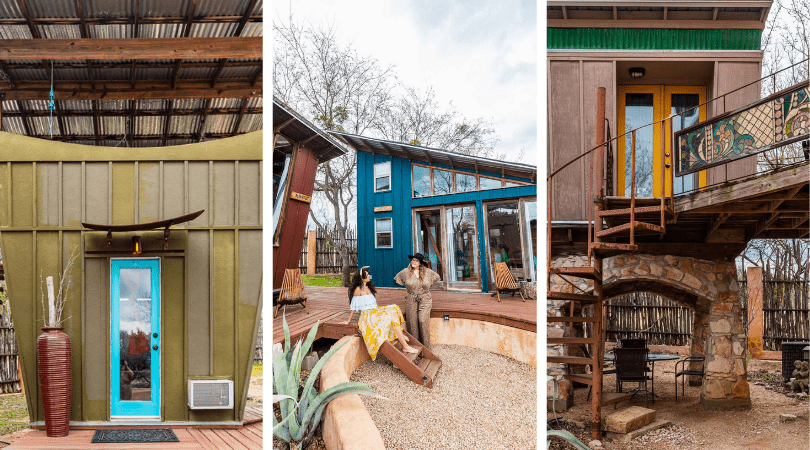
(377, 324)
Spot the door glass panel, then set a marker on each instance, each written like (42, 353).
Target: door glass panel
(428, 238)
(680, 104)
(135, 323)
(639, 112)
(461, 242)
(530, 238)
(504, 237)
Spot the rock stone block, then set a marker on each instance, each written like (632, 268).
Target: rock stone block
(629, 419)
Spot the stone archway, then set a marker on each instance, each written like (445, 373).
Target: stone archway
(707, 286)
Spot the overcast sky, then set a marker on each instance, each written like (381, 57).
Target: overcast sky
(481, 56)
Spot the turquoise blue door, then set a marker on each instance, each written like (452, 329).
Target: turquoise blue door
(135, 338)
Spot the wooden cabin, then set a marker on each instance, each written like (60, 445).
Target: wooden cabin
(462, 212)
(121, 121)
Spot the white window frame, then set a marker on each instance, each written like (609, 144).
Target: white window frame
(391, 220)
(390, 179)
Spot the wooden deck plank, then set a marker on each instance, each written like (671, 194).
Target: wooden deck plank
(250, 437)
(229, 440)
(331, 306)
(244, 439)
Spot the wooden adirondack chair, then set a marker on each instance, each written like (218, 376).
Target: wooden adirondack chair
(504, 281)
(292, 290)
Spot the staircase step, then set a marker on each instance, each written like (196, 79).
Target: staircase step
(571, 296)
(625, 227)
(587, 272)
(570, 340)
(432, 369)
(609, 398)
(584, 378)
(626, 211)
(570, 360)
(606, 249)
(572, 319)
(423, 363)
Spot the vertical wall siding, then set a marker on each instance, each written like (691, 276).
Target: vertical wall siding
(211, 294)
(386, 263)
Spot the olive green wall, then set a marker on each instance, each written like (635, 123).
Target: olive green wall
(210, 278)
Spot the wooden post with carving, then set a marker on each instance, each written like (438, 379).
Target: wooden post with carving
(312, 248)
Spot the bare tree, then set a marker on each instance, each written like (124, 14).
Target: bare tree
(785, 43)
(341, 91)
(417, 119)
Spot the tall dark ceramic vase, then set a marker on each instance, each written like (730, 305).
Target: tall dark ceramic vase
(53, 368)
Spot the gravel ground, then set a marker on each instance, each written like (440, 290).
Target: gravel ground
(758, 428)
(478, 400)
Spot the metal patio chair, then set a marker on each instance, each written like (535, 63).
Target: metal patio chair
(631, 367)
(504, 281)
(292, 290)
(604, 372)
(684, 372)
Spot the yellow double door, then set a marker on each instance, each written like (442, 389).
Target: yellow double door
(640, 105)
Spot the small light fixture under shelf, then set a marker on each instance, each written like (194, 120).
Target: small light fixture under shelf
(136, 245)
(637, 72)
(447, 317)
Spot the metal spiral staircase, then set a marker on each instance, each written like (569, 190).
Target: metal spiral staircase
(613, 225)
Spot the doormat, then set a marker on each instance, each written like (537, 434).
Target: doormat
(134, 436)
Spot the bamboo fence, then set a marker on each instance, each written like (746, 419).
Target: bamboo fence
(648, 316)
(786, 311)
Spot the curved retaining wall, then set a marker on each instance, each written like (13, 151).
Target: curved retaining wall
(347, 425)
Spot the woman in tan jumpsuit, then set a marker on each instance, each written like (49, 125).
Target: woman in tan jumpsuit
(417, 279)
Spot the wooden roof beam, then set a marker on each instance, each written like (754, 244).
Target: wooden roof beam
(61, 118)
(168, 122)
(131, 127)
(128, 20)
(117, 49)
(186, 32)
(95, 120)
(239, 117)
(191, 136)
(277, 129)
(138, 112)
(201, 125)
(27, 127)
(135, 34)
(144, 93)
(85, 35)
(716, 222)
(238, 32)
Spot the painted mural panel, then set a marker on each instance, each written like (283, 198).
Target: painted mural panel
(779, 120)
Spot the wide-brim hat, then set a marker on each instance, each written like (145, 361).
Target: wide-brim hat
(420, 257)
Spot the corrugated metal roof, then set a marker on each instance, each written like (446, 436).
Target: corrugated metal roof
(114, 114)
(433, 155)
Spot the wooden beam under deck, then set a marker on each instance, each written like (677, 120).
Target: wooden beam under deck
(132, 49)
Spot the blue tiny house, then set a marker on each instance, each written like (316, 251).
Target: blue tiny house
(462, 212)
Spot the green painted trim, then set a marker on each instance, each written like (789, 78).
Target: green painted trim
(652, 39)
(245, 147)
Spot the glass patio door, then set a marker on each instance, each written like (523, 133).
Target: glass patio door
(428, 237)
(462, 247)
(504, 238)
(641, 105)
(135, 338)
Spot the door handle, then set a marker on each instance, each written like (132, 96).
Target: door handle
(154, 347)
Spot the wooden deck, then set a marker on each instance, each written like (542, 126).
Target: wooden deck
(330, 306)
(248, 437)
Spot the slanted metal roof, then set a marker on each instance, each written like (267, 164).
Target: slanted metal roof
(432, 155)
(294, 128)
(131, 102)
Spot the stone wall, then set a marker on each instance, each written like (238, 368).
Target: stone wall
(708, 287)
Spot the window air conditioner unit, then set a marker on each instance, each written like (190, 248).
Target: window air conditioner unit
(210, 394)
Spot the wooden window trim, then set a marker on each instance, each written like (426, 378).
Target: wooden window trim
(391, 219)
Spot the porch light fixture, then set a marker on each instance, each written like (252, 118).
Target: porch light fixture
(136, 245)
(447, 317)
(637, 72)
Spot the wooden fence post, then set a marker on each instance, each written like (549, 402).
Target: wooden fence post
(756, 316)
(312, 252)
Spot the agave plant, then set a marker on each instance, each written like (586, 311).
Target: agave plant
(301, 413)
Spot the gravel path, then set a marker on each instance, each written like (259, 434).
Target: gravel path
(478, 400)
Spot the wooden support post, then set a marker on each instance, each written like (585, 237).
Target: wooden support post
(312, 248)
(598, 325)
(756, 316)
